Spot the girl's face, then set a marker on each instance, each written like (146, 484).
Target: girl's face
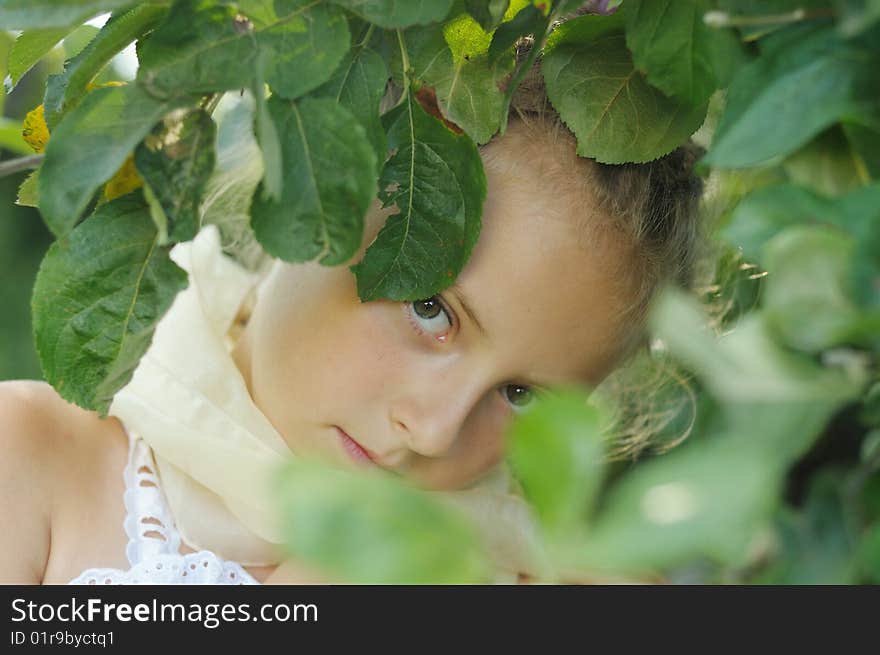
(426, 389)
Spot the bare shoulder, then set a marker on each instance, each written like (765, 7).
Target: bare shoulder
(48, 448)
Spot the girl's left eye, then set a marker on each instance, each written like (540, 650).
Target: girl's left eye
(431, 316)
(519, 396)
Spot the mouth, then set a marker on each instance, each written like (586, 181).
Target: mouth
(358, 453)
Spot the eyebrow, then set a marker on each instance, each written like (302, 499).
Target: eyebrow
(456, 291)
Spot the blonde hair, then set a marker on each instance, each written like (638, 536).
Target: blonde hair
(652, 209)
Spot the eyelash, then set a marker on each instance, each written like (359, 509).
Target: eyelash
(450, 317)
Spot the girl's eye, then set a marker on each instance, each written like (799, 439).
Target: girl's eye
(519, 396)
(431, 316)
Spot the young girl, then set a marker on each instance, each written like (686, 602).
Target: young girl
(168, 488)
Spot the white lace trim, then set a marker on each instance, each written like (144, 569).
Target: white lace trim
(153, 541)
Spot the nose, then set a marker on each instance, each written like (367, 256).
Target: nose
(431, 415)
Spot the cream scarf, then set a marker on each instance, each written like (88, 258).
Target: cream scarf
(215, 450)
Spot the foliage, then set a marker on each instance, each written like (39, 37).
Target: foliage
(346, 100)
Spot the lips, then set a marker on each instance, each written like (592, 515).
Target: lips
(357, 452)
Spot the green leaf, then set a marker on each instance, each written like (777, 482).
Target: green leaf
(557, 453)
(767, 211)
(806, 296)
(329, 183)
(204, 47)
(64, 91)
(29, 48)
(305, 46)
(454, 62)
(392, 14)
(27, 192)
(435, 179)
(175, 161)
(865, 144)
(857, 16)
(861, 218)
(773, 397)
(267, 137)
(97, 298)
(371, 529)
(488, 13)
(11, 139)
(616, 115)
(528, 21)
(868, 555)
(358, 84)
(75, 42)
(90, 145)
(679, 53)
(781, 100)
(815, 543)
(828, 164)
(39, 14)
(707, 499)
(756, 19)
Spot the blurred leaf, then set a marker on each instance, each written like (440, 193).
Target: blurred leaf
(771, 209)
(806, 296)
(816, 542)
(762, 12)
(870, 451)
(861, 212)
(828, 164)
(97, 298)
(392, 14)
(775, 399)
(329, 182)
(868, 555)
(39, 14)
(11, 139)
(615, 114)
(705, 499)
(90, 145)
(780, 101)
(64, 91)
(557, 452)
(175, 161)
(871, 409)
(29, 48)
(677, 51)
(865, 144)
(856, 16)
(435, 178)
(371, 529)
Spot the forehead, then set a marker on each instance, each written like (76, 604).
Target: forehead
(548, 298)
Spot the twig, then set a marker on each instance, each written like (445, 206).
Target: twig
(20, 164)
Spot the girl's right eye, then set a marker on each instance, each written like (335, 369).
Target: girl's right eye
(430, 316)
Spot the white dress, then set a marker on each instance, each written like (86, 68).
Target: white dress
(153, 541)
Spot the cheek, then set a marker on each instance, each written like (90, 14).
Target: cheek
(327, 361)
(480, 446)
